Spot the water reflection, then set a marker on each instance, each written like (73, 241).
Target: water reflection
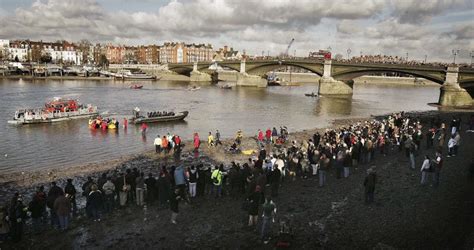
(333, 105)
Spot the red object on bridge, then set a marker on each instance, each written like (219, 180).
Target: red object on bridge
(327, 55)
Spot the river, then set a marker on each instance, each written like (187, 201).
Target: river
(45, 146)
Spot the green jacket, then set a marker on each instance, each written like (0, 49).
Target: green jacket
(216, 177)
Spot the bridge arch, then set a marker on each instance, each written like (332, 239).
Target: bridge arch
(184, 69)
(350, 75)
(261, 70)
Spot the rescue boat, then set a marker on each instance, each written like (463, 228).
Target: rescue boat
(56, 110)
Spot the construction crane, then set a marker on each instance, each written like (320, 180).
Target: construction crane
(288, 48)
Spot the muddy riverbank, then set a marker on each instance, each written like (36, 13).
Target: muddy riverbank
(405, 214)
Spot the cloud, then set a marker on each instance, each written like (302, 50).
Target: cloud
(253, 25)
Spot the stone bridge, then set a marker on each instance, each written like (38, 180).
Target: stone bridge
(337, 78)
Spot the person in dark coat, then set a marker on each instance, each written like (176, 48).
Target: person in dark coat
(164, 189)
(36, 209)
(369, 184)
(94, 203)
(201, 182)
(174, 203)
(53, 194)
(17, 216)
(275, 181)
(255, 199)
(151, 188)
(71, 191)
(86, 187)
(63, 206)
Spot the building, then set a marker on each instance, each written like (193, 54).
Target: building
(115, 54)
(227, 54)
(18, 51)
(4, 45)
(185, 53)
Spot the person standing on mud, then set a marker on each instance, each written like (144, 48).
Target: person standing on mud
(210, 140)
(193, 179)
(62, 205)
(369, 184)
(268, 217)
(438, 165)
(140, 189)
(275, 177)
(255, 199)
(94, 203)
(53, 194)
(164, 189)
(174, 205)
(218, 138)
(425, 169)
(323, 168)
(109, 193)
(157, 144)
(71, 191)
(196, 141)
(216, 178)
(151, 189)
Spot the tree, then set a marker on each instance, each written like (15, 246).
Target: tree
(103, 62)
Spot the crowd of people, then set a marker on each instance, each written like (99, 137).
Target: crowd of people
(388, 59)
(256, 181)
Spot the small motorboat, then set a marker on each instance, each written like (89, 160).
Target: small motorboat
(312, 94)
(226, 87)
(194, 88)
(153, 117)
(136, 86)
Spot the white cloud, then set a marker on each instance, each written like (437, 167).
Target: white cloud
(255, 25)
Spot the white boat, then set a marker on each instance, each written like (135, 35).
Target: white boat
(129, 75)
(56, 110)
(194, 88)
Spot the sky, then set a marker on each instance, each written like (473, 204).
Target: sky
(419, 28)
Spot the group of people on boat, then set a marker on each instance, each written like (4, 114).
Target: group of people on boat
(159, 114)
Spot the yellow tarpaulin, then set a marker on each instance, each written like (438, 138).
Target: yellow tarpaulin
(248, 152)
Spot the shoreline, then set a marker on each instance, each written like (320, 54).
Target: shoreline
(25, 180)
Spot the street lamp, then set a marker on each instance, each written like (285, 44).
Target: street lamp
(425, 58)
(361, 53)
(406, 58)
(455, 53)
(348, 53)
(472, 55)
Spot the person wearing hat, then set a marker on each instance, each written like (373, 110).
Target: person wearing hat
(71, 191)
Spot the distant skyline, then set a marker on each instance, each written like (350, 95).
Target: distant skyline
(430, 27)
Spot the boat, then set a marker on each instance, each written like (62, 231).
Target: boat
(226, 87)
(56, 110)
(193, 88)
(312, 94)
(126, 74)
(273, 80)
(136, 86)
(153, 117)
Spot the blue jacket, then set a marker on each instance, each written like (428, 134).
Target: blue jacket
(179, 177)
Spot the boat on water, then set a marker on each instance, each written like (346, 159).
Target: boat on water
(312, 94)
(136, 86)
(154, 117)
(194, 88)
(126, 74)
(226, 87)
(56, 110)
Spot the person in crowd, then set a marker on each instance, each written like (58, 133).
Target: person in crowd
(210, 140)
(268, 217)
(324, 162)
(216, 178)
(109, 195)
(70, 190)
(369, 184)
(218, 138)
(140, 189)
(17, 216)
(174, 205)
(438, 165)
(123, 189)
(274, 180)
(193, 179)
(130, 178)
(255, 199)
(157, 142)
(425, 169)
(451, 146)
(36, 208)
(164, 188)
(457, 139)
(4, 225)
(94, 203)
(196, 141)
(53, 194)
(86, 187)
(63, 208)
(151, 189)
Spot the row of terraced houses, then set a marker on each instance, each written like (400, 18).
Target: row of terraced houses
(86, 53)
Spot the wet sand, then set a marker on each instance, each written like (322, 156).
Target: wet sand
(404, 215)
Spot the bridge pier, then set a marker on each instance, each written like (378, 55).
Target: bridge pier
(197, 76)
(244, 79)
(451, 94)
(330, 86)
